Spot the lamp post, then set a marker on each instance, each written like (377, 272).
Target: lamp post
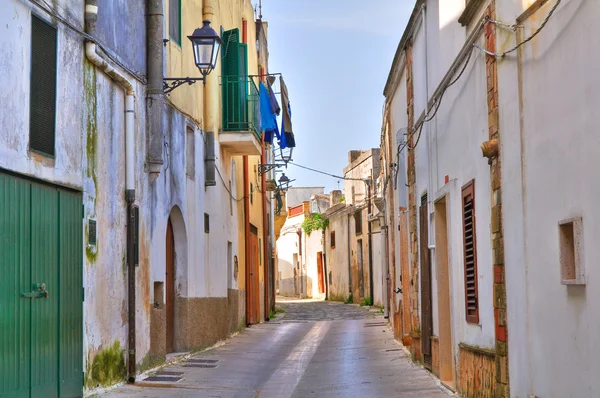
(206, 44)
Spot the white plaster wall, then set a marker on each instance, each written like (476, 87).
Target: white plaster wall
(337, 258)
(399, 123)
(15, 58)
(287, 246)
(559, 159)
(459, 128)
(313, 246)
(297, 195)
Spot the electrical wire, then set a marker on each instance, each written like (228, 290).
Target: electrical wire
(542, 26)
(325, 173)
(48, 9)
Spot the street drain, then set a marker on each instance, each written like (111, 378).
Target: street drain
(202, 360)
(163, 378)
(168, 373)
(394, 349)
(199, 365)
(367, 325)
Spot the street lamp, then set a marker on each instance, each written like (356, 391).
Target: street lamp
(205, 45)
(284, 183)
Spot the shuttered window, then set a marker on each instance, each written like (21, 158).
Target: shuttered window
(470, 253)
(235, 81)
(175, 21)
(42, 102)
(332, 240)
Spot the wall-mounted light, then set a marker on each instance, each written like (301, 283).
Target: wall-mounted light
(205, 45)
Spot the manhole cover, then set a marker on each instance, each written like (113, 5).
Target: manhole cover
(163, 378)
(199, 365)
(202, 360)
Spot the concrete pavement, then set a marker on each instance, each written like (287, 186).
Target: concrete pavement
(316, 349)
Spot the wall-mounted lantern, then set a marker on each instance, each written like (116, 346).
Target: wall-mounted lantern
(205, 45)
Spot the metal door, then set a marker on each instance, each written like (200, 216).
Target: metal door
(426, 310)
(170, 288)
(41, 347)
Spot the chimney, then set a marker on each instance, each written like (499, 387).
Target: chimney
(334, 197)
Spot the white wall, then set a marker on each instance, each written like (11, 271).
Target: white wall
(557, 165)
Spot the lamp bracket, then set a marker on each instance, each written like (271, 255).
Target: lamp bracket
(171, 83)
(265, 168)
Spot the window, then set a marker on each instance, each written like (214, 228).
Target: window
(332, 240)
(175, 21)
(571, 251)
(251, 193)
(206, 223)
(314, 207)
(470, 253)
(42, 94)
(190, 153)
(234, 84)
(358, 222)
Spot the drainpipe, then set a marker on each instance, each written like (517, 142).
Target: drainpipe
(209, 122)
(266, 256)
(91, 15)
(370, 240)
(349, 259)
(155, 94)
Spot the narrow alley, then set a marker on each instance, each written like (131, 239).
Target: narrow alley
(315, 348)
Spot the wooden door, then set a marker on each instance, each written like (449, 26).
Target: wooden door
(252, 284)
(426, 311)
(361, 269)
(170, 288)
(320, 272)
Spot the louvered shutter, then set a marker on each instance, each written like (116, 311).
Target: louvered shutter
(42, 102)
(230, 70)
(470, 253)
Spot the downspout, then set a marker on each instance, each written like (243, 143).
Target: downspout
(266, 256)
(370, 240)
(430, 184)
(209, 123)
(349, 259)
(91, 15)
(155, 94)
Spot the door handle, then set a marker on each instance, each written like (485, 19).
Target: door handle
(39, 291)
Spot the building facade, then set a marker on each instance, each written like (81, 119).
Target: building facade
(480, 246)
(145, 211)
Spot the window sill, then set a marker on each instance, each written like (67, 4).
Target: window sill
(470, 10)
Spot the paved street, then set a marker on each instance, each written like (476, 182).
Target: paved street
(314, 349)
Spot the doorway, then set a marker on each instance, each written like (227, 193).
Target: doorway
(41, 295)
(320, 272)
(426, 310)
(252, 282)
(444, 298)
(361, 269)
(170, 288)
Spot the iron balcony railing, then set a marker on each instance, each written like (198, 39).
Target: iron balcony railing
(241, 105)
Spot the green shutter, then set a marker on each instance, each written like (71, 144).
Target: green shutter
(42, 102)
(235, 82)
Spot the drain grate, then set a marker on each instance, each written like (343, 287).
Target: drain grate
(168, 373)
(202, 360)
(394, 349)
(367, 325)
(199, 365)
(163, 378)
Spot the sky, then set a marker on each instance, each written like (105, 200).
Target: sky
(335, 56)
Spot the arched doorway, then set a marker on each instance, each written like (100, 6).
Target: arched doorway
(170, 288)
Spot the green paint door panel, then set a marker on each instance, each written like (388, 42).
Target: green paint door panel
(41, 330)
(15, 271)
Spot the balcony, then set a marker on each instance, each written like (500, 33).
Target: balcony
(241, 133)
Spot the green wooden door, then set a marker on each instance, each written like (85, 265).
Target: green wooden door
(41, 298)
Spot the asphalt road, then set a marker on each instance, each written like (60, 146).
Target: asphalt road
(316, 349)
